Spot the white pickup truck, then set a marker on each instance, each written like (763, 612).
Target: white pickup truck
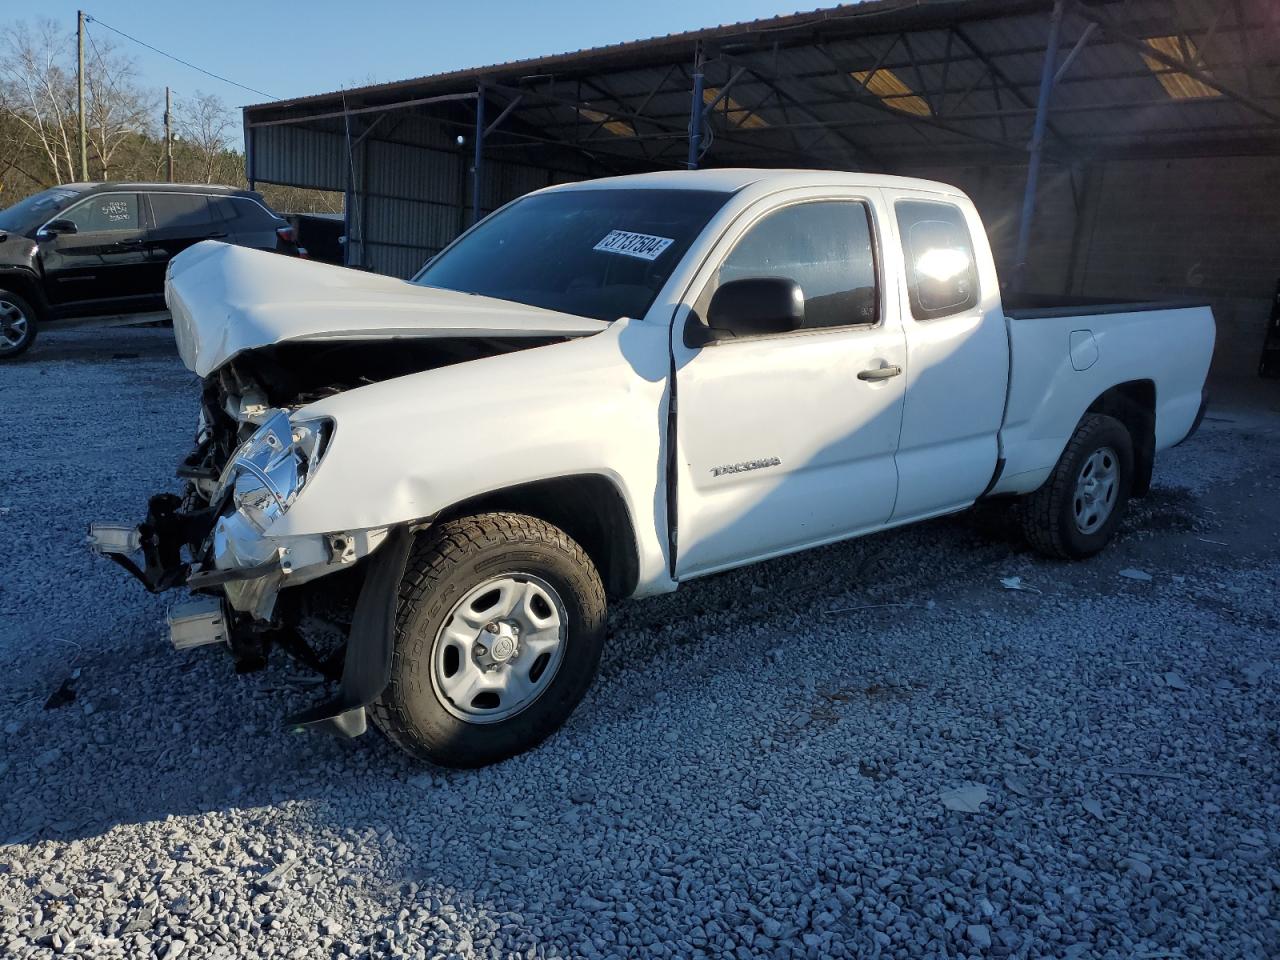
(605, 389)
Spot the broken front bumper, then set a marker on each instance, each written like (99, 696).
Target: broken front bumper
(228, 553)
(238, 573)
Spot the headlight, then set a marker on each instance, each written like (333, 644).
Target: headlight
(270, 469)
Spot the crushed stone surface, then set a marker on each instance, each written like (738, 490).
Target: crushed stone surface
(870, 749)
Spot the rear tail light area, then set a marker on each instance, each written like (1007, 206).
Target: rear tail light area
(287, 234)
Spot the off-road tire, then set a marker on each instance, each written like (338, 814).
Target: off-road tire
(1048, 518)
(33, 324)
(444, 563)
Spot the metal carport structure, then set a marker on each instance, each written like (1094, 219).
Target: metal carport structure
(950, 88)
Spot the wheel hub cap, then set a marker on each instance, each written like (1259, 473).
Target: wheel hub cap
(499, 648)
(1097, 486)
(13, 324)
(504, 641)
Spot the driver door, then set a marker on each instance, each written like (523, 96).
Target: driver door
(780, 444)
(101, 267)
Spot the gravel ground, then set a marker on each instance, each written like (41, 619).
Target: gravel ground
(872, 749)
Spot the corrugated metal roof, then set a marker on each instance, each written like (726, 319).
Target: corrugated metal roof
(883, 82)
(880, 85)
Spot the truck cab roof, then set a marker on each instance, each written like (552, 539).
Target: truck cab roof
(734, 179)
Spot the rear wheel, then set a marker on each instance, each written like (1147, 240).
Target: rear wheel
(499, 630)
(17, 325)
(1077, 510)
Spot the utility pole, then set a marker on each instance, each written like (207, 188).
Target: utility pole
(168, 134)
(84, 149)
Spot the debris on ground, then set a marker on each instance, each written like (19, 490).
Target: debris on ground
(1133, 573)
(966, 798)
(1015, 583)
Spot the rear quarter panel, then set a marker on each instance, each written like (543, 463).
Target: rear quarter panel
(1048, 395)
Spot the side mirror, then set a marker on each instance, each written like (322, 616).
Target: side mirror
(750, 308)
(56, 228)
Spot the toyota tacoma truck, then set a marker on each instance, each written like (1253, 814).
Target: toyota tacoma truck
(603, 390)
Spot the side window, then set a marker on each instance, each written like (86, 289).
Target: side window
(825, 246)
(222, 208)
(108, 212)
(251, 216)
(180, 210)
(942, 275)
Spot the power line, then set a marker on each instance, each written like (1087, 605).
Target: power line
(185, 63)
(102, 63)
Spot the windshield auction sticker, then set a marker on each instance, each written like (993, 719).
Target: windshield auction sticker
(629, 244)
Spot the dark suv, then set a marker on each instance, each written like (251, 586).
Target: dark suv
(100, 249)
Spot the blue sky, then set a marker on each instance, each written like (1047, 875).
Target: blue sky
(298, 48)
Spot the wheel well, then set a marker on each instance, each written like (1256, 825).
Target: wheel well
(588, 508)
(1134, 405)
(27, 288)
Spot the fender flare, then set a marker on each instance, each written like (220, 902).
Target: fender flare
(366, 667)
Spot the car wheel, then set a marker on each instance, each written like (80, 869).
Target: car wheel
(17, 325)
(1077, 510)
(499, 628)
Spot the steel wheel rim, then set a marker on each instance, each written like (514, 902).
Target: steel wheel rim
(13, 325)
(499, 649)
(1097, 486)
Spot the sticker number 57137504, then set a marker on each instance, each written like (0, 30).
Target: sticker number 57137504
(641, 245)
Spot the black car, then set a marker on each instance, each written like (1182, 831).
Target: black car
(100, 249)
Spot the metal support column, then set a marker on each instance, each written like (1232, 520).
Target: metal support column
(695, 111)
(250, 172)
(477, 161)
(349, 196)
(1047, 71)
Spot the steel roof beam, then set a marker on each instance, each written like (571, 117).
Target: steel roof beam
(1049, 67)
(1120, 35)
(875, 103)
(356, 111)
(860, 153)
(1005, 79)
(1075, 52)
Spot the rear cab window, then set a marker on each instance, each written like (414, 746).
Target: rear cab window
(937, 250)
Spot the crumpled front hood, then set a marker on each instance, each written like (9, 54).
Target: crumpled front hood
(227, 299)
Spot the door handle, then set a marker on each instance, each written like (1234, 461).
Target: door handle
(880, 373)
(216, 236)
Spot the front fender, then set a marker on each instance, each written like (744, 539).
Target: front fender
(409, 448)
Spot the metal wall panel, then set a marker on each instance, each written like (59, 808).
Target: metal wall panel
(299, 157)
(412, 181)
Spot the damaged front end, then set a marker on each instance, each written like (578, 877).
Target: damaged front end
(216, 540)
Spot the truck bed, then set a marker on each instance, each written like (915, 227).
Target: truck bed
(1063, 357)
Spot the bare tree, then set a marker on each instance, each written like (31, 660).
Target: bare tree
(39, 94)
(204, 123)
(116, 109)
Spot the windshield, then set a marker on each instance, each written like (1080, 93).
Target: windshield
(593, 253)
(37, 208)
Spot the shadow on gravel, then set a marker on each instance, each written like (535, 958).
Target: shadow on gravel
(107, 345)
(765, 747)
(152, 733)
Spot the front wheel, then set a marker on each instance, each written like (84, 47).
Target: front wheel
(17, 325)
(499, 628)
(1077, 510)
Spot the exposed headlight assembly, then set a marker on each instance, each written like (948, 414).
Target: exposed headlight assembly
(271, 468)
